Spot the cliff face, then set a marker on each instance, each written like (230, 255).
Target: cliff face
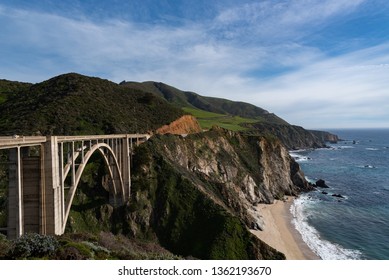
(197, 194)
(325, 136)
(292, 136)
(184, 125)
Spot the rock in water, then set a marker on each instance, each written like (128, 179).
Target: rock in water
(321, 183)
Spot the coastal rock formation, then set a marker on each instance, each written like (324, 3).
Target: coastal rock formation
(186, 124)
(321, 183)
(292, 136)
(197, 194)
(325, 136)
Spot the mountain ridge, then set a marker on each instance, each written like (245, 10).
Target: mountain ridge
(211, 104)
(76, 104)
(241, 115)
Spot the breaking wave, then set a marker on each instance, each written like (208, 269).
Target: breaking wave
(321, 247)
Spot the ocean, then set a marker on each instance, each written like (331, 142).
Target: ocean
(355, 225)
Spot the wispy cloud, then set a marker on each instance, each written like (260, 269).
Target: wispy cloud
(277, 20)
(254, 52)
(341, 89)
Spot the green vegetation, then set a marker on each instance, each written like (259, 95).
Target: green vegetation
(81, 246)
(189, 100)
(33, 245)
(3, 97)
(73, 104)
(208, 119)
(231, 115)
(91, 210)
(8, 88)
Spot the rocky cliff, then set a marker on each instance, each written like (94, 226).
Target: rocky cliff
(292, 136)
(325, 136)
(196, 194)
(184, 125)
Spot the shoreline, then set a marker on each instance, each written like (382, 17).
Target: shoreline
(280, 233)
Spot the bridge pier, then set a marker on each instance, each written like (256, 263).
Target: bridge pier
(34, 195)
(15, 192)
(31, 193)
(52, 216)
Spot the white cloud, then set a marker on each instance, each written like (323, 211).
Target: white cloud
(352, 86)
(277, 20)
(314, 91)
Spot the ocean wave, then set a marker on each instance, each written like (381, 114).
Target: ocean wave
(367, 166)
(372, 149)
(346, 147)
(323, 248)
(312, 181)
(337, 147)
(299, 158)
(299, 150)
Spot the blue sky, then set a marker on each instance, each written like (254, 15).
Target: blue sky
(315, 63)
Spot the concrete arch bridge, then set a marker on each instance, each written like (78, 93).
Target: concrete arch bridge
(39, 199)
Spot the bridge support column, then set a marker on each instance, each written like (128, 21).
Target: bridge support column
(31, 172)
(126, 166)
(52, 216)
(15, 193)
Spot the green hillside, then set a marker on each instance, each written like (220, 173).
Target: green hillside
(8, 88)
(208, 119)
(224, 113)
(73, 104)
(233, 115)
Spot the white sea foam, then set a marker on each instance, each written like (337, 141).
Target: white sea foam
(367, 166)
(346, 147)
(323, 248)
(300, 150)
(298, 158)
(372, 149)
(336, 147)
(312, 181)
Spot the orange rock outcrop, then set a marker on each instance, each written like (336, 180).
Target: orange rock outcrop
(187, 124)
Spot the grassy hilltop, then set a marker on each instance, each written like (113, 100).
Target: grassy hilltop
(210, 111)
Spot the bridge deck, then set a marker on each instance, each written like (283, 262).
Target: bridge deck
(7, 142)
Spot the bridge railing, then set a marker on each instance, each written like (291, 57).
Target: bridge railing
(9, 142)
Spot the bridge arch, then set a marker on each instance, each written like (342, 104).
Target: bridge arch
(114, 170)
(37, 199)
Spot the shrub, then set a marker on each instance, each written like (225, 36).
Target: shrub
(33, 245)
(71, 250)
(4, 246)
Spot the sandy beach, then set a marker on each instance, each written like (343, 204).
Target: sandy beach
(280, 233)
